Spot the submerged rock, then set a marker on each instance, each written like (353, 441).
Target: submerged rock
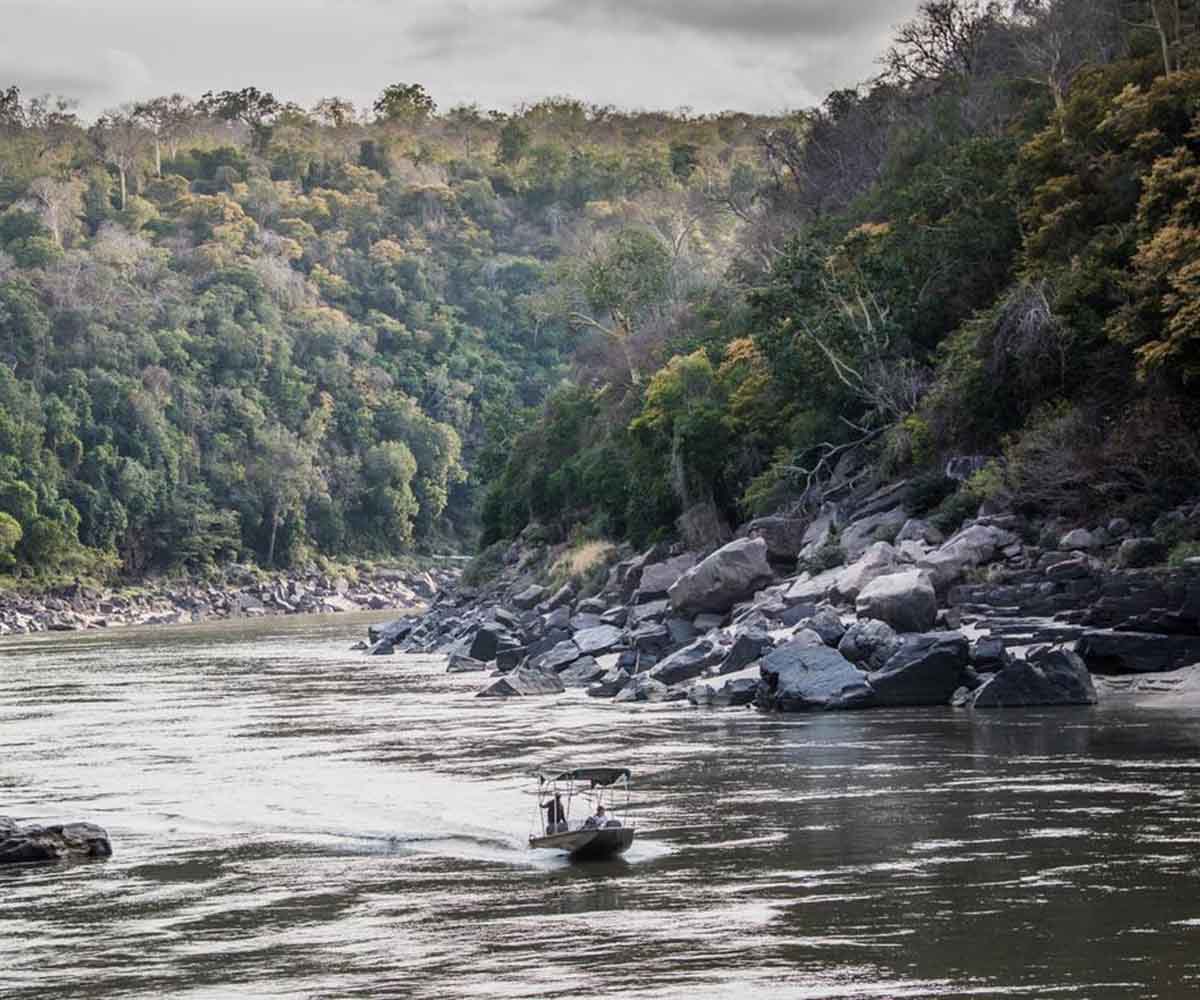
(57, 842)
(523, 682)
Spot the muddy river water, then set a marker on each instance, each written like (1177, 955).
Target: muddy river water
(291, 819)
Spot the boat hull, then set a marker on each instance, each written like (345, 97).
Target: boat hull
(588, 845)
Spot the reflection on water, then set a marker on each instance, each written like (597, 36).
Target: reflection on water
(294, 820)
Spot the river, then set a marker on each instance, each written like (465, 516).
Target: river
(291, 819)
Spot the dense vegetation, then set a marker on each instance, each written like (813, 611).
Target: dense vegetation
(235, 328)
(232, 328)
(991, 250)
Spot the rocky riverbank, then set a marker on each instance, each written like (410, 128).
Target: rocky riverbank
(861, 606)
(240, 593)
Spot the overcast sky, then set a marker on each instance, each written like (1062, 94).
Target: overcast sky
(710, 55)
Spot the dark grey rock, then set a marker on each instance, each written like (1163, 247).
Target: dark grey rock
(486, 642)
(524, 682)
(731, 574)
(1136, 652)
(657, 578)
(650, 638)
(827, 623)
(682, 631)
(609, 684)
(652, 611)
(799, 677)
(460, 664)
(529, 597)
(558, 658)
(869, 644)
(584, 620)
(784, 536)
(582, 673)
(643, 687)
(989, 653)
(615, 616)
(591, 606)
(926, 670)
(1047, 677)
(54, 842)
(905, 600)
(559, 618)
(597, 640)
(727, 690)
(688, 663)
(748, 646)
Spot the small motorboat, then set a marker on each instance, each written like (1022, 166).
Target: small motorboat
(603, 834)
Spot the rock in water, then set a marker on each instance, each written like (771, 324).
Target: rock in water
(522, 683)
(59, 842)
(906, 601)
(731, 689)
(460, 663)
(926, 670)
(799, 677)
(1048, 677)
(731, 574)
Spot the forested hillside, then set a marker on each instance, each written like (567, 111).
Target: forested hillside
(233, 328)
(991, 251)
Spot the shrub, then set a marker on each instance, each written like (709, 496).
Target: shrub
(829, 555)
(585, 564)
(485, 566)
(1182, 552)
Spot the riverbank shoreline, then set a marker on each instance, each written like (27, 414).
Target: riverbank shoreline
(241, 592)
(861, 605)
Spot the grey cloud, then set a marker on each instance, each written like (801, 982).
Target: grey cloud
(777, 20)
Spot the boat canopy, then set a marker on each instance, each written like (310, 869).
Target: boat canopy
(602, 776)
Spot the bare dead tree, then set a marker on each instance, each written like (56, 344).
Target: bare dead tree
(944, 41)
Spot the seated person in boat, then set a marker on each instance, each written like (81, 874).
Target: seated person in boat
(556, 817)
(600, 819)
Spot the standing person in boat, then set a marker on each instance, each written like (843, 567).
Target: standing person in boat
(556, 818)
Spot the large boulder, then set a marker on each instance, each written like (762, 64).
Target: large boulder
(869, 644)
(1107, 652)
(56, 842)
(798, 677)
(486, 642)
(598, 640)
(859, 536)
(925, 670)
(811, 588)
(976, 545)
(1047, 677)
(1080, 538)
(524, 682)
(731, 574)
(878, 560)
(657, 578)
(906, 601)
(784, 536)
